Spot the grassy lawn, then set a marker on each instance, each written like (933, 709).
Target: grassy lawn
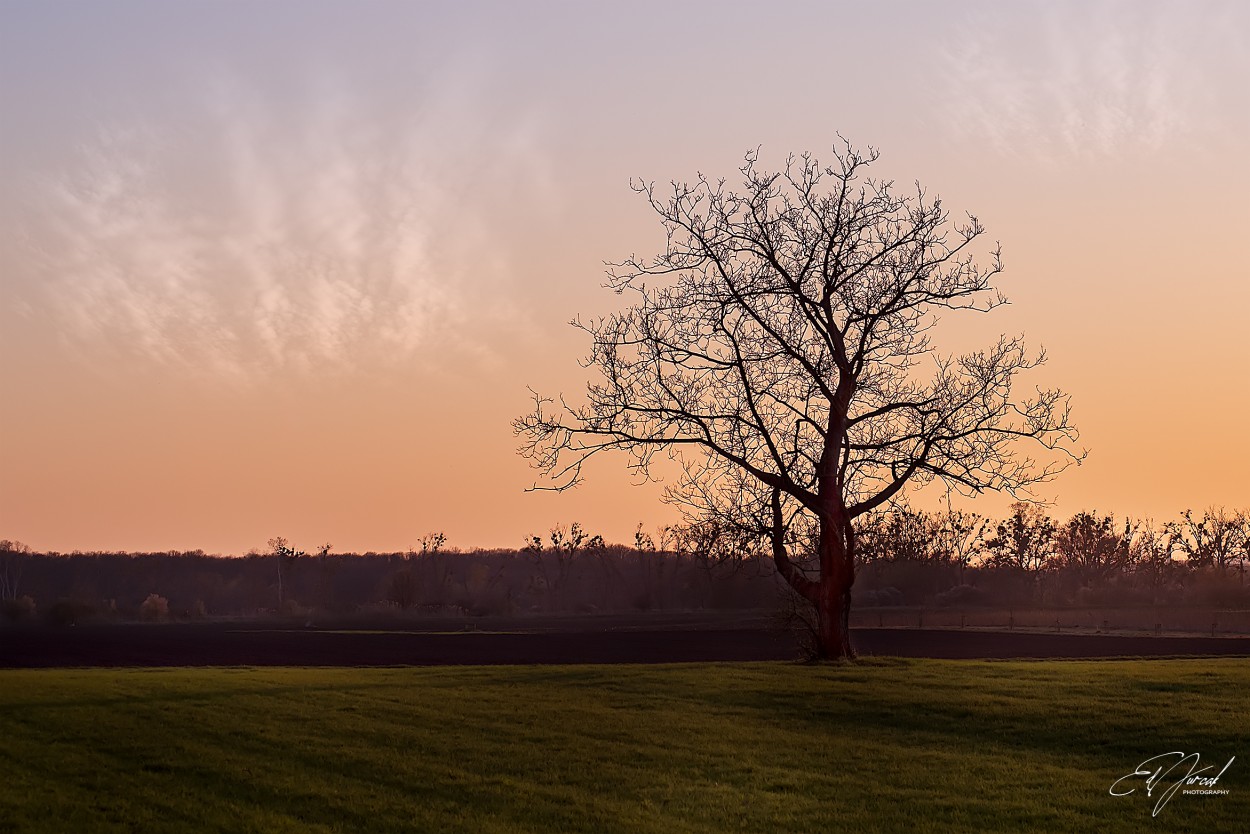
(884, 745)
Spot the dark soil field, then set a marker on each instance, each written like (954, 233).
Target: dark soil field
(671, 639)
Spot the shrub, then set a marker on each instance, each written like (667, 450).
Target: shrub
(154, 608)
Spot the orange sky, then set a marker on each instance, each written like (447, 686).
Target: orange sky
(291, 275)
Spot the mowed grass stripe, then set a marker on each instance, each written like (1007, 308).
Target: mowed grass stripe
(883, 745)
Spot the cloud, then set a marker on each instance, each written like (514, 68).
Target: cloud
(258, 236)
(1090, 80)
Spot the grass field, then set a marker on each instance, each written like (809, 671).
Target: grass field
(883, 745)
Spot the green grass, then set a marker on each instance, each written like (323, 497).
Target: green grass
(883, 745)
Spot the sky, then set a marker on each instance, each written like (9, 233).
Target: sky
(288, 268)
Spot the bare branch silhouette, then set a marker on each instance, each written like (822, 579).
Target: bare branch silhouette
(775, 349)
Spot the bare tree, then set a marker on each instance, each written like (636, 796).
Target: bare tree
(774, 349)
(13, 557)
(326, 568)
(566, 546)
(432, 543)
(1215, 540)
(650, 568)
(286, 556)
(899, 534)
(1023, 540)
(959, 536)
(426, 576)
(1094, 546)
(1151, 557)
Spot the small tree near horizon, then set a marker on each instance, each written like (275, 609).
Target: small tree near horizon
(286, 557)
(779, 349)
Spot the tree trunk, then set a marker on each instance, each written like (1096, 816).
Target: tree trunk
(833, 594)
(830, 595)
(833, 610)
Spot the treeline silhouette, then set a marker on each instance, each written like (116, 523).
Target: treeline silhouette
(908, 557)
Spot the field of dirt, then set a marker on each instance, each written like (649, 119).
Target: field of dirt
(622, 639)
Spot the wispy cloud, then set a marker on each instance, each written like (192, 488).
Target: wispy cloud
(259, 237)
(1092, 79)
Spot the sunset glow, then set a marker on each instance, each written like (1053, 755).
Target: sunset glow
(291, 271)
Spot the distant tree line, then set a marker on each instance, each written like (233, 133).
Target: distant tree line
(912, 557)
(566, 570)
(908, 557)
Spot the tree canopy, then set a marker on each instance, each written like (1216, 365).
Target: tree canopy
(779, 348)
